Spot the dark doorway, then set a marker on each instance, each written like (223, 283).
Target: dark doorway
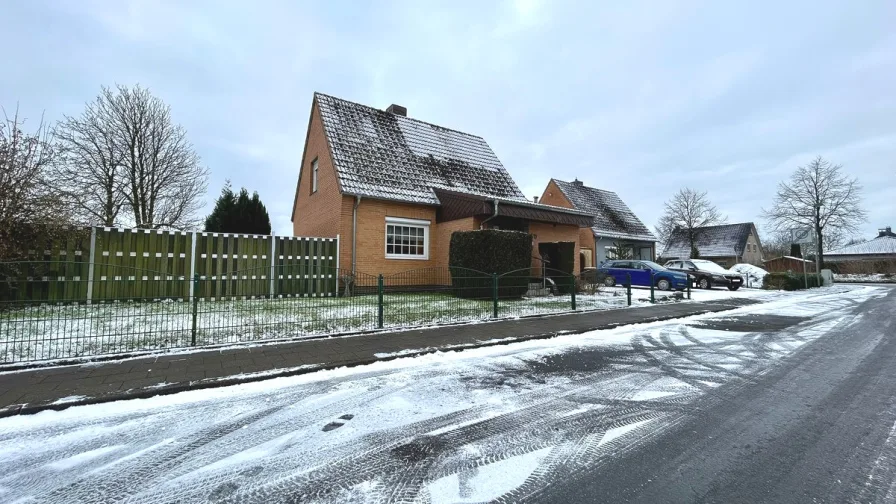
(558, 256)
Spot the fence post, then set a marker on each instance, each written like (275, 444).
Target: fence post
(193, 237)
(652, 299)
(573, 280)
(273, 263)
(494, 295)
(379, 301)
(194, 299)
(628, 287)
(90, 270)
(689, 286)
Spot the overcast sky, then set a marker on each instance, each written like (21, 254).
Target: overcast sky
(642, 99)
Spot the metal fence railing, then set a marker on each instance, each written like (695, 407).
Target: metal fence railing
(44, 314)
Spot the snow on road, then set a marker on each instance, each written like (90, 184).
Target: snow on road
(497, 423)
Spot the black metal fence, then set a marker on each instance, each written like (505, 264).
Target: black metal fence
(178, 312)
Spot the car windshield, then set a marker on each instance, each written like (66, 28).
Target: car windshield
(654, 266)
(709, 266)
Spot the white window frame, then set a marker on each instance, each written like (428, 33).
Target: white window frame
(418, 223)
(314, 171)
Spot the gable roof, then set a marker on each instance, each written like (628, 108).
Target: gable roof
(712, 241)
(612, 218)
(881, 245)
(382, 155)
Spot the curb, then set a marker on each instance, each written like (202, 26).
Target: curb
(29, 409)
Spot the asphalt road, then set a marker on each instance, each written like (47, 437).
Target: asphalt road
(793, 400)
(818, 427)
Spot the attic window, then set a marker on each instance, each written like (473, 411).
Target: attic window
(314, 176)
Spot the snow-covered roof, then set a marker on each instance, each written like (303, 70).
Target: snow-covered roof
(712, 241)
(794, 259)
(383, 155)
(882, 245)
(612, 217)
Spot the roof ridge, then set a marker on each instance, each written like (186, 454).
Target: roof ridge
(434, 125)
(584, 186)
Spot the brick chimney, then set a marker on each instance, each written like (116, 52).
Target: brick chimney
(397, 110)
(887, 231)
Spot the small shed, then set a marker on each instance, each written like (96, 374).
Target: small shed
(788, 263)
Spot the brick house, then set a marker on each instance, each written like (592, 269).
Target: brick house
(727, 244)
(615, 228)
(394, 189)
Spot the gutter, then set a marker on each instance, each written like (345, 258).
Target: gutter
(482, 225)
(355, 234)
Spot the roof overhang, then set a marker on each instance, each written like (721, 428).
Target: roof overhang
(456, 205)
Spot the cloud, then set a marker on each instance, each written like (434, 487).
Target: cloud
(639, 98)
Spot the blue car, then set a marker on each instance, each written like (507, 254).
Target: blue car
(618, 271)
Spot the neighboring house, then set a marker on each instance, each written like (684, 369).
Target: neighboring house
(880, 250)
(788, 263)
(727, 244)
(615, 229)
(394, 189)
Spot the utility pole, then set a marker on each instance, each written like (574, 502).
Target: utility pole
(818, 244)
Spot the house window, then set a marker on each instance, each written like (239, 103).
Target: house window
(407, 238)
(314, 176)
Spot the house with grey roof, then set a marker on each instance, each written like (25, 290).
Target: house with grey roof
(614, 231)
(726, 244)
(393, 189)
(881, 251)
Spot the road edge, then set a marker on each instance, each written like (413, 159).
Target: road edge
(176, 388)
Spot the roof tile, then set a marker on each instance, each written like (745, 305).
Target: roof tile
(387, 156)
(612, 218)
(712, 241)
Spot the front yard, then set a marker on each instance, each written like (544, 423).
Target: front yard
(47, 331)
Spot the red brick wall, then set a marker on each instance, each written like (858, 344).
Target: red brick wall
(371, 251)
(552, 195)
(317, 214)
(547, 233)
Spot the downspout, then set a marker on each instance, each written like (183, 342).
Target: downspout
(482, 224)
(355, 234)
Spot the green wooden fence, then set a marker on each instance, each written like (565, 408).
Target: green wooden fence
(117, 264)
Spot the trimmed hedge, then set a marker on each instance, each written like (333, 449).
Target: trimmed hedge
(489, 251)
(790, 282)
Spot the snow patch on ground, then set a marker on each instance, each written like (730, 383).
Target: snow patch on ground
(488, 482)
(866, 278)
(69, 399)
(753, 275)
(618, 432)
(649, 395)
(81, 458)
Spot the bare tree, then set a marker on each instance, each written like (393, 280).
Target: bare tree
(30, 209)
(776, 244)
(820, 197)
(90, 170)
(688, 210)
(138, 159)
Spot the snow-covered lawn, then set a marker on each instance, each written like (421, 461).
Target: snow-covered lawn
(495, 423)
(866, 278)
(66, 331)
(47, 332)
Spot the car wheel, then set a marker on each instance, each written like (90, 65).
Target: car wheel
(704, 283)
(664, 285)
(733, 287)
(609, 281)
